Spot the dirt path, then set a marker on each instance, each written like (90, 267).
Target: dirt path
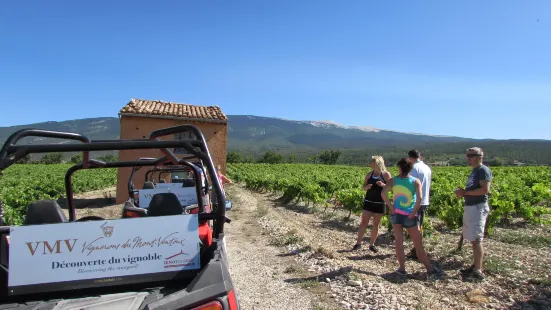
(265, 279)
(320, 243)
(282, 253)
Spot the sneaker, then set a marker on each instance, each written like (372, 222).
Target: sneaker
(373, 248)
(356, 247)
(436, 273)
(477, 275)
(467, 270)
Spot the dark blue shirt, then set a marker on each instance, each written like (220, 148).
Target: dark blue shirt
(473, 182)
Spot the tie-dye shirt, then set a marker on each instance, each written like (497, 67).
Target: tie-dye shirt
(404, 195)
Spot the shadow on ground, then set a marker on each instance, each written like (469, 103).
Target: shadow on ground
(91, 203)
(540, 298)
(370, 257)
(297, 251)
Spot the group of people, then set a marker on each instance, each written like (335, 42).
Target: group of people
(411, 191)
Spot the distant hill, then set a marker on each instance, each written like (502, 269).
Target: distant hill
(254, 132)
(255, 135)
(94, 128)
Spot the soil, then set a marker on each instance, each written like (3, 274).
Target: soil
(95, 203)
(289, 256)
(517, 261)
(263, 277)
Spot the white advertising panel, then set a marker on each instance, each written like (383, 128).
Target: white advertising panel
(50, 253)
(186, 195)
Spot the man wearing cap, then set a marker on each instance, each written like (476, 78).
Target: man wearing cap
(476, 208)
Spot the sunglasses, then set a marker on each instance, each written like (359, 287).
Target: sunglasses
(472, 155)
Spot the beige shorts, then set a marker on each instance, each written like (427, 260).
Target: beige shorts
(474, 221)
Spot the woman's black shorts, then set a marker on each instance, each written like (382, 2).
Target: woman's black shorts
(374, 207)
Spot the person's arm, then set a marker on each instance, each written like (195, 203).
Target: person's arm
(225, 179)
(483, 190)
(384, 192)
(459, 192)
(485, 178)
(386, 176)
(366, 186)
(419, 193)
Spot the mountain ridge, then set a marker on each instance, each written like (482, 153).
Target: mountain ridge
(257, 134)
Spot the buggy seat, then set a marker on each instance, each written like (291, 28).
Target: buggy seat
(44, 212)
(164, 204)
(148, 185)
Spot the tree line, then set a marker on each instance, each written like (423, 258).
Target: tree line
(58, 158)
(363, 157)
(327, 157)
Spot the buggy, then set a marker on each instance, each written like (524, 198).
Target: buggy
(165, 258)
(179, 176)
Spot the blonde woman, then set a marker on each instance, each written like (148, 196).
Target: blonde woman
(374, 206)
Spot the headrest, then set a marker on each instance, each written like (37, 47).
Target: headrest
(44, 212)
(148, 185)
(188, 183)
(164, 204)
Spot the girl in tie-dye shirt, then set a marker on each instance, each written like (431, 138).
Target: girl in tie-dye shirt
(405, 196)
(403, 214)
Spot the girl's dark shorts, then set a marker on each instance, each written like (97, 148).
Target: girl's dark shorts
(374, 207)
(404, 220)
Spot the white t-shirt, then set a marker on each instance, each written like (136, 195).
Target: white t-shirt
(422, 172)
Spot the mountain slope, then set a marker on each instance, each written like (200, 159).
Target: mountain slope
(254, 134)
(276, 133)
(93, 128)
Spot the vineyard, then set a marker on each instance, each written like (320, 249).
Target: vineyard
(22, 184)
(517, 192)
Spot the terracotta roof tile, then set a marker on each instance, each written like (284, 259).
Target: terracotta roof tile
(158, 107)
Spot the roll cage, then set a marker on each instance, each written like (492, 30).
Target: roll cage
(11, 152)
(197, 167)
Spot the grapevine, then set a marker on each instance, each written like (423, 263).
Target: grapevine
(23, 184)
(516, 191)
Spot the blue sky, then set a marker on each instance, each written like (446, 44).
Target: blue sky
(477, 69)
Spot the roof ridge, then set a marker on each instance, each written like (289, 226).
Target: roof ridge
(173, 109)
(137, 100)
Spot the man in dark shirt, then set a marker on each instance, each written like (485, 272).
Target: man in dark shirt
(476, 208)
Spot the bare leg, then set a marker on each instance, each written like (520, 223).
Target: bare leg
(375, 228)
(478, 252)
(419, 249)
(363, 225)
(399, 239)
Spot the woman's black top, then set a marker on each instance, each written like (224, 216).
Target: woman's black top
(374, 193)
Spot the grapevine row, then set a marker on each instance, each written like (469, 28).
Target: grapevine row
(23, 184)
(516, 191)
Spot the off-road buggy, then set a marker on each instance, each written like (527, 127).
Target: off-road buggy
(170, 176)
(165, 258)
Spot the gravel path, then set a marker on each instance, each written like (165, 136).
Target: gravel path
(258, 270)
(320, 243)
(289, 257)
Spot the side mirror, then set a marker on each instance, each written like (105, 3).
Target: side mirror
(228, 205)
